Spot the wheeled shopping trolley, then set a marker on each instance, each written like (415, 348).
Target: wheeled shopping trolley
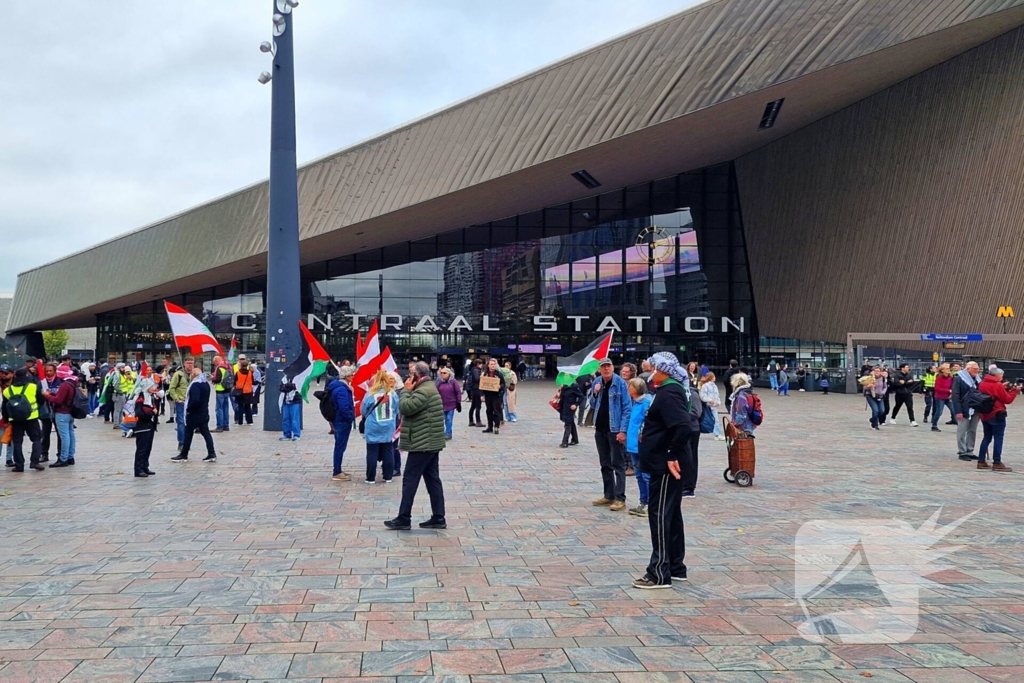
(742, 457)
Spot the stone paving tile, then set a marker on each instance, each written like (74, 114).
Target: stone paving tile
(260, 567)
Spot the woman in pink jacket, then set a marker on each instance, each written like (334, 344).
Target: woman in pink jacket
(943, 392)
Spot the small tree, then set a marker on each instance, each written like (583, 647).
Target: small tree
(54, 342)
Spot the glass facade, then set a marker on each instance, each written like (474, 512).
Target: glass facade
(662, 264)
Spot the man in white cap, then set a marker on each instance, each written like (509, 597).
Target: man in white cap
(664, 455)
(609, 398)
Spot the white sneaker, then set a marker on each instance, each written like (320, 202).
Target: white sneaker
(913, 424)
(368, 482)
(891, 420)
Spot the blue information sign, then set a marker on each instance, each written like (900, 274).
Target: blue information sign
(952, 337)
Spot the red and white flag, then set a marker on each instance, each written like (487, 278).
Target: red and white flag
(367, 350)
(189, 332)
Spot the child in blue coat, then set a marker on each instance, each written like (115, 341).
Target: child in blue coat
(641, 404)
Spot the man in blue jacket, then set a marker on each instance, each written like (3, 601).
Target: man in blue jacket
(340, 390)
(609, 398)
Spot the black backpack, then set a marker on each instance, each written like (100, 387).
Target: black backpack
(327, 408)
(79, 407)
(19, 408)
(981, 403)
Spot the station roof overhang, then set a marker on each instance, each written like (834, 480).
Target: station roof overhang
(680, 94)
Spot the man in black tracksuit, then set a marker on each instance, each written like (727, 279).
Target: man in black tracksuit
(904, 384)
(664, 445)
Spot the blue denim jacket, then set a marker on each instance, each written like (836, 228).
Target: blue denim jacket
(619, 403)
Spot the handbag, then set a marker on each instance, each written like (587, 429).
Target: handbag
(556, 402)
(362, 420)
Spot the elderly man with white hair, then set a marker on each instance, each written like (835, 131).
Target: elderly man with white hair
(965, 391)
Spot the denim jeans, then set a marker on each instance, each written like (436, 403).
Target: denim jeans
(342, 430)
(449, 418)
(643, 480)
(994, 430)
(65, 428)
(223, 404)
(385, 452)
(937, 405)
(291, 420)
(179, 422)
(94, 399)
(877, 408)
(773, 378)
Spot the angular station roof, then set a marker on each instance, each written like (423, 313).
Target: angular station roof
(682, 93)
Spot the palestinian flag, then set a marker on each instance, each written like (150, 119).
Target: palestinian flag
(233, 351)
(309, 365)
(585, 362)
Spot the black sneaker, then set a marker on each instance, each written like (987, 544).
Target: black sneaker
(212, 457)
(150, 473)
(141, 474)
(647, 583)
(967, 458)
(563, 445)
(952, 422)
(936, 429)
(180, 458)
(689, 494)
(10, 463)
(60, 463)
(396, 525)
(434, 524)
(70, 461)
(38, 466)
(574, 443)
(488, 431)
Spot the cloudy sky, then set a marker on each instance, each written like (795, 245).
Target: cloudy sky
(117, 114)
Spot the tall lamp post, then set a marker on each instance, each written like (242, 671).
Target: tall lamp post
(284, 304)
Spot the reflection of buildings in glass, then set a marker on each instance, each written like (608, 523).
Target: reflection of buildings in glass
(462, 286)
(521, 283)
(217, 313)
(327, 304)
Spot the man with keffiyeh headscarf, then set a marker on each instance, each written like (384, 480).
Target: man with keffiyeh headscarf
(665, 456)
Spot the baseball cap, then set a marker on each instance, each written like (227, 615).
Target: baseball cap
(5, 368)
(242, 356)
(605, 361)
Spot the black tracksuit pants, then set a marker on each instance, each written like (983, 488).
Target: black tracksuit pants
(570, 435)
(143, 449)
(492, 400)
(668, 539)
(904, 400)
(201, 425)
(688, 466)
(421, 465)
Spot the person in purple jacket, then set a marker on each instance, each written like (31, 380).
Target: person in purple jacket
(451, 398)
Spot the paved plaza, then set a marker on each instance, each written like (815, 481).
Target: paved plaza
(259, 567)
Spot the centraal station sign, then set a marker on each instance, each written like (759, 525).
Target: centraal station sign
(641, 324)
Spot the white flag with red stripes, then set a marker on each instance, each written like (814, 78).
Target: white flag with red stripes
(189, 332)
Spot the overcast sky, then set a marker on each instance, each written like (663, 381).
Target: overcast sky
(114, 115)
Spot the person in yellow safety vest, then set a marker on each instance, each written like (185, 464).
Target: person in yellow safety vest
(928, 380)
(24, 419)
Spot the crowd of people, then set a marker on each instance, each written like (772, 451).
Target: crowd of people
(973, 399)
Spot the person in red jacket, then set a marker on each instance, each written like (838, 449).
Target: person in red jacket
(943, 393)
(994, 422)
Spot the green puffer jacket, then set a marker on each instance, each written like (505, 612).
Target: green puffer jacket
(422, 419)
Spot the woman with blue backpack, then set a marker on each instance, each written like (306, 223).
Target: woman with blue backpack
(379, 411)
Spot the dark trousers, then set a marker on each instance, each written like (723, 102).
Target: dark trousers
(385, 453)
(474, 407)
(143, 448)
(613, 465)
(929, 397)
(19, 430)
(668, 539)
(993, 430)
(421, 465)
(243, 409)
(688, 464)
(570, 435)
(201, 425)
(46, 426)
(492, 401)
(904, 400)
(342, 430)
(885, 409)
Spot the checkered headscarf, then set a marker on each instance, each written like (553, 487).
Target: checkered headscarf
(669, 364)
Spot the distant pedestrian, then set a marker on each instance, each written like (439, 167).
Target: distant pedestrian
(472, 386)
(823, 382)
(197, 416)
(967, 418)
(741, 413)
(783, 380)
(943, 392)
(146, 397)
(451, 399)
(291, 410)
(569, 397)
(511, 380)
(222, 377)
(423, 440)
(734, 367)
(177, 392)
(993, 422)
(875, 388)
(712, 399)
(928, 389)
(60, 401)
(21, 412)
(493, 399)
(583, 384)
(801, 376)
(904, 385)
(773, 374)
